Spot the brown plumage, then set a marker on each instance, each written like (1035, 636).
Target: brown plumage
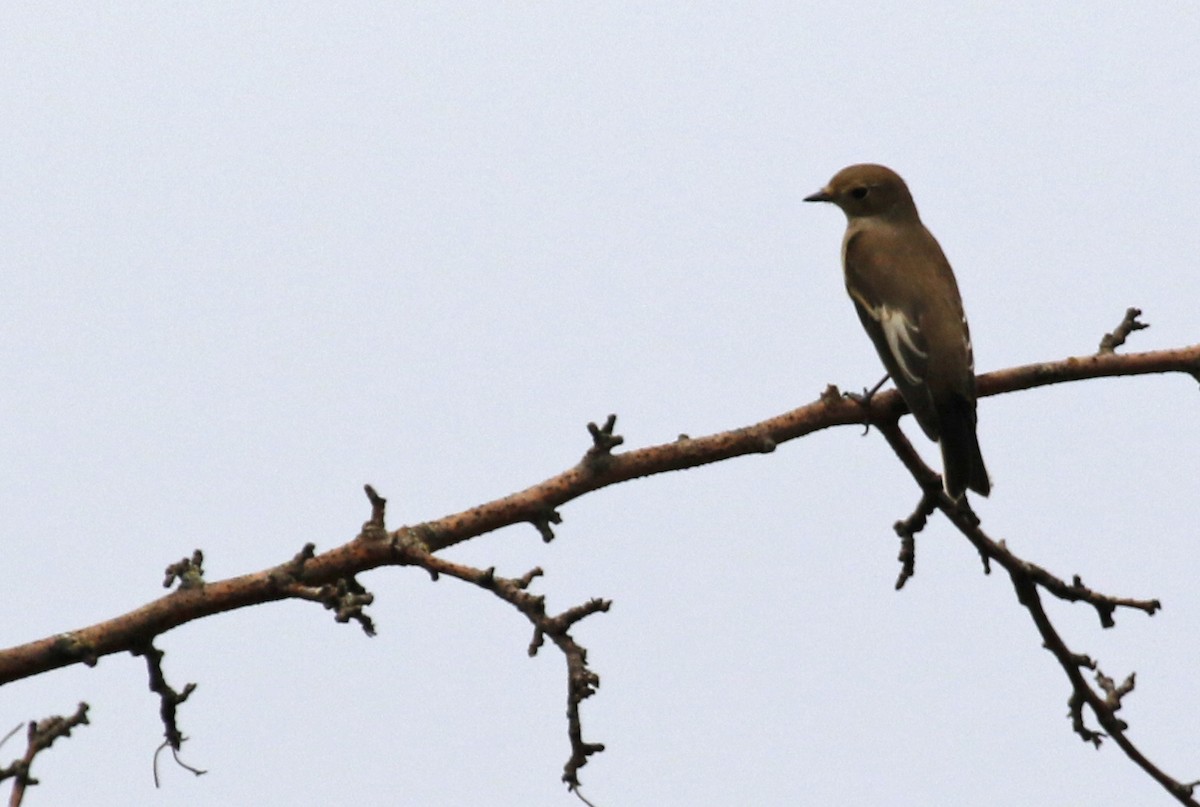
(908, 302)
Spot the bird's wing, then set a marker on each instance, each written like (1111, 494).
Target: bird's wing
(894, 330)
(894, 326)
(904, 341)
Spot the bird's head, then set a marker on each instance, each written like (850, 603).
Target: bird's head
(867, 190)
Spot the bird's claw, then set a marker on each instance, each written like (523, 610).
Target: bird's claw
(863, 399)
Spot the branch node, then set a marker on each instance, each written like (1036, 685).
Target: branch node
(293, 570)
(412, 540)
(169, 699)
(569, 617)
(1113, 692)
(599, 456)
(907, 529)
(1075, 707)
(1081, 660)
(70, 645)
(526, 579)
(535, 644)
(1111, 341)
(542, 522)
(40, 735)
(188, 571)
(374, 528)
(347, 598)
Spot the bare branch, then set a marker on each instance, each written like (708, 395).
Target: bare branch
(907, 529)
(133, 629)
(329, 577)
(169, 699)
(582, 682)
(41, 735)
(1027, 578)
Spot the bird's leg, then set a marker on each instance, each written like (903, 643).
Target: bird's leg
(866, 395)
(863, 399)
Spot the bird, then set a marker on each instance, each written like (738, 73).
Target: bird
(908, 301)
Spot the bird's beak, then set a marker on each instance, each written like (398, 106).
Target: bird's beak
(822, 195)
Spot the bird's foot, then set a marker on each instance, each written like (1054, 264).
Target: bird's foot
(863, 399)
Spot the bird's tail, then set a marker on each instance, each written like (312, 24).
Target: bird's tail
(961, 458)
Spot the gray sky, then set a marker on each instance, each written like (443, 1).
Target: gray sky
(256, 255)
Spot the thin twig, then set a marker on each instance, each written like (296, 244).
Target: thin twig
(1027, 579)
(1111, 341)
(41, 735)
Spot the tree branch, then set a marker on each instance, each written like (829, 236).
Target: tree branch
(135, 628)
(40, 736)
(328, 577)
(1027, 578)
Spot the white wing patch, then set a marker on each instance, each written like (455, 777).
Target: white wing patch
(898, 332)
(970, 350)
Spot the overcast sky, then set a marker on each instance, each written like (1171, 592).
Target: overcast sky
(256, 254)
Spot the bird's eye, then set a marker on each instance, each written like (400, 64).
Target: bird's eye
(860, 192)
